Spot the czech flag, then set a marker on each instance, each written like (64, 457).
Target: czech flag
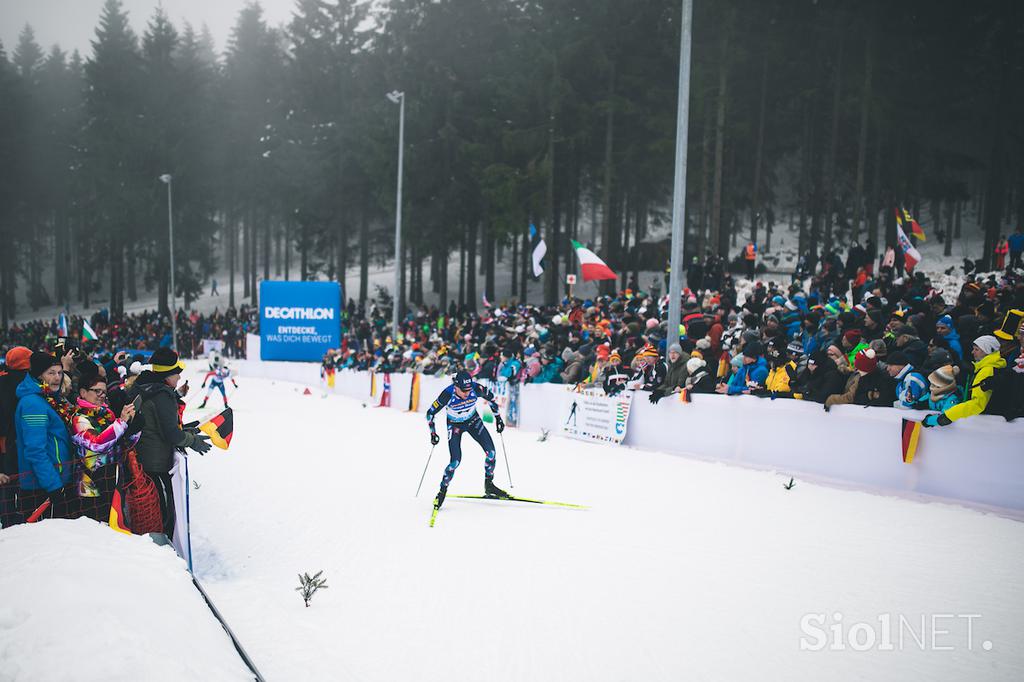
(911, 256)
(911, 434)
(220, 428)
(591, 266)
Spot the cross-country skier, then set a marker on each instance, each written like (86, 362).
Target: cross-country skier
(216, 377)
(460, 401)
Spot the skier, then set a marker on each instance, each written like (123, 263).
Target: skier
(216, 377)
(460, 401)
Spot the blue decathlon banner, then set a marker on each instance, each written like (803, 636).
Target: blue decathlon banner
(299, 320)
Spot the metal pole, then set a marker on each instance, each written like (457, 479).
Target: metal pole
(425, 466)
(675, 286)
(396, 307)
(170, 236)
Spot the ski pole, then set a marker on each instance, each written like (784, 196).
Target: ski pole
(504, 451)
(426, 466)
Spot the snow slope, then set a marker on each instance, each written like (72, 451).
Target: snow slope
(79, 601)
(680, 569)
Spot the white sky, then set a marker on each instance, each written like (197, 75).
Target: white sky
(72, 23)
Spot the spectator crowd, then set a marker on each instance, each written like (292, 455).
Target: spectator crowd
(88, 430)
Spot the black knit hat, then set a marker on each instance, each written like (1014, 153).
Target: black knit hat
(753, 349)
(40, 362)
(88, 374)
(165, 362)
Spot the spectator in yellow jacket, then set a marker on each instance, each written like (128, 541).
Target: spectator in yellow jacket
(986, 360)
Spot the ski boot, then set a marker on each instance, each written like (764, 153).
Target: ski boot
(202, 404)
(439, 500)
(492, 491)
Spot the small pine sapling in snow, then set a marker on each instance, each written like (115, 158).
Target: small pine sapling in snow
(308, 586)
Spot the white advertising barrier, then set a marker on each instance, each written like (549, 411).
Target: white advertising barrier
(593, 416)
(977, 461)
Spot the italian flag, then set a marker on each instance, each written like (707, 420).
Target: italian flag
(591, 266)
(88, 333)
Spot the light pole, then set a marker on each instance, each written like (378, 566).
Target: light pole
(398, 98)
(166, 179)
(675, 278)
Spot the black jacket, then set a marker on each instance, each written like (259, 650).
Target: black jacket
(826, 380)
(9, 381)
(877, 389)
(161, 430)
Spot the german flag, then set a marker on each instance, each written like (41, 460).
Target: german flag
(118, 518)
(414, 393)
(906, 220)
(911, 433)
(220, 428)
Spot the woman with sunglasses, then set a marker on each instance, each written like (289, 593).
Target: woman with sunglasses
(101, 438)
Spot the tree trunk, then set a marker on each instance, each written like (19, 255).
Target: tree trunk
(252, 262)
(715, 241)
(364, 257)
(246, 238)
(490, 256)
(830, 169)
(526, 267)
(442, 278)
(471, 265)
(947, 249)
(515, 268)
(554, 243)
(862, 145)
(232, 227)
(876, 192)
(606, 192)
(755, 203)
(959, 215)
(462, 271)
(705, 155)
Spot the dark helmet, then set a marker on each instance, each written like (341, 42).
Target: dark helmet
(462, 380)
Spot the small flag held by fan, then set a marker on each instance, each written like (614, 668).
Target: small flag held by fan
(88, 333)
(220, 428)
(911, 434)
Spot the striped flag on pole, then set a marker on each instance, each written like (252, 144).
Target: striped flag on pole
(538, 249)
(62, 325)
(591, 266)
(88, 333)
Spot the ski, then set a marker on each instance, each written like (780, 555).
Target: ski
(510, 498)
(433, 515)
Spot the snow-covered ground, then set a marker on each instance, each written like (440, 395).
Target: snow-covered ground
(79, 601)
(680, 569)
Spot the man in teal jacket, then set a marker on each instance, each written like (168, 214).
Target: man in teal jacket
(44, 447)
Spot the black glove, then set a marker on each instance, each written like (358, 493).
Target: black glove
(499, 424)
(434, 438)
(200, 443)
(191, 427)
(655, 396)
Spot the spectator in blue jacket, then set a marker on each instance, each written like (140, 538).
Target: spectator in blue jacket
(911, 386)
(45, 455)
(1016, 241)
(752, 374)
(944, 328)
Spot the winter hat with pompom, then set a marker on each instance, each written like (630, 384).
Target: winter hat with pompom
(943, 380)
(865, 361)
